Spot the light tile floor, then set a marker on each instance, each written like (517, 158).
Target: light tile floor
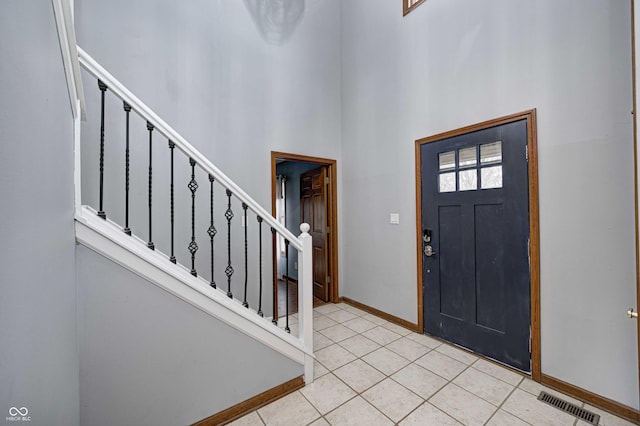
(371, 372)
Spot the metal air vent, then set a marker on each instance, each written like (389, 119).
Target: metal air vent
(570, 408)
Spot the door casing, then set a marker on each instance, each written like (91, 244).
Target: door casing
(332, 213)
(635, 164)
(534, 234)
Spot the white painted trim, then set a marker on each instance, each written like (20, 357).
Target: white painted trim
(305, 298)
(77, 166)
(68, 47)
(108, 239)
(181, 143)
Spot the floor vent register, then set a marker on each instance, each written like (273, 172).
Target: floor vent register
(570, 408)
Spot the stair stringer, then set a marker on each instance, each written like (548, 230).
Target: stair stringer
(107, 239)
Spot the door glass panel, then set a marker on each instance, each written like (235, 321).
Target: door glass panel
(447, 161)
(468, 180)
(447, 182)
(491, 177)
(467, 157)
(491, 153)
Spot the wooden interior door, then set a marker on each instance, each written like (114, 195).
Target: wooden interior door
(313, 210)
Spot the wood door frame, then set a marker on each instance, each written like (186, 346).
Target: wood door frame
(534, 228)
(332, 214)
(634, 89)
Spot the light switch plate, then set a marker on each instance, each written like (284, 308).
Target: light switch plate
(394, 218)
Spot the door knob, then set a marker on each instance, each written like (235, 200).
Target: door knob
(631, 313)
(428, 250)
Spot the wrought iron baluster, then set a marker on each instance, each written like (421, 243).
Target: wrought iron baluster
(193, 246)
(286, 256)
(274, 254)
(150, 128)
(246, 264)
(103, 88)
(173, 256)
(212, 231)
(260, 266)
(127, 230)
(229, 270)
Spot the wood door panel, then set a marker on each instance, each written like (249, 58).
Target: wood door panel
(318, 208)
(306, 210)
(313, 206)
(319, 272)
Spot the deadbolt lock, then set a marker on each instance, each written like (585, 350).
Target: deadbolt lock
(631, 313)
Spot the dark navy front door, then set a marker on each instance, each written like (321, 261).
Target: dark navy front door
(475, 230)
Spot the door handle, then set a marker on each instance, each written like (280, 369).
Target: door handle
(428, 250)
(631, 313)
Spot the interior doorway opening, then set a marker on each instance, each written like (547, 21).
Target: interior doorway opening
(304, 189)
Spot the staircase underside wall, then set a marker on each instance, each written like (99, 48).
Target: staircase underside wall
(149, 358)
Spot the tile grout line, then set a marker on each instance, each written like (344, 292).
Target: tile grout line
(410, 363)
(385, 376)
(447, 384)
(451, 381)
(522, 376)
(359, 394)
(370, 387)
(505, 400)
(260, 418)
(429, 350)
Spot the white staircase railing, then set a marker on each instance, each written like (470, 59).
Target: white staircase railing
(107, 229)
(106, 237)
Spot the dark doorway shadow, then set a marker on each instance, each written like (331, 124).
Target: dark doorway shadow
(287, 170)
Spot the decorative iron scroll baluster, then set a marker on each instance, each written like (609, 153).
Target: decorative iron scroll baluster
(260, 266)
(229, 270)
(127, 230)
(274, 254)
(193, 246)
(103, 88)
(150, 128)
(246, 264)
(212, 231)
(173, 256)
(286, 256)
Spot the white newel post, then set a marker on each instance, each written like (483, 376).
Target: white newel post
(305, 300)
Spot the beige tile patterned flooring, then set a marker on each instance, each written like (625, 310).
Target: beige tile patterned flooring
(371, 372)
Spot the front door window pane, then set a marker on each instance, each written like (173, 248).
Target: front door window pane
(467, 157)
(447, 160)
(468, 180)
(491, 153)
(447, 182)
(491, 177)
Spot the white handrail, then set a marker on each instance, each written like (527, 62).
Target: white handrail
(67, 39)
(303, 243)
(146, 113)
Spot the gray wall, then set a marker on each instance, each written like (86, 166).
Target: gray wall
(149, 358)
(38, 349)
(359, 83)
(292, 170)
(452, 63)
(208, 71)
